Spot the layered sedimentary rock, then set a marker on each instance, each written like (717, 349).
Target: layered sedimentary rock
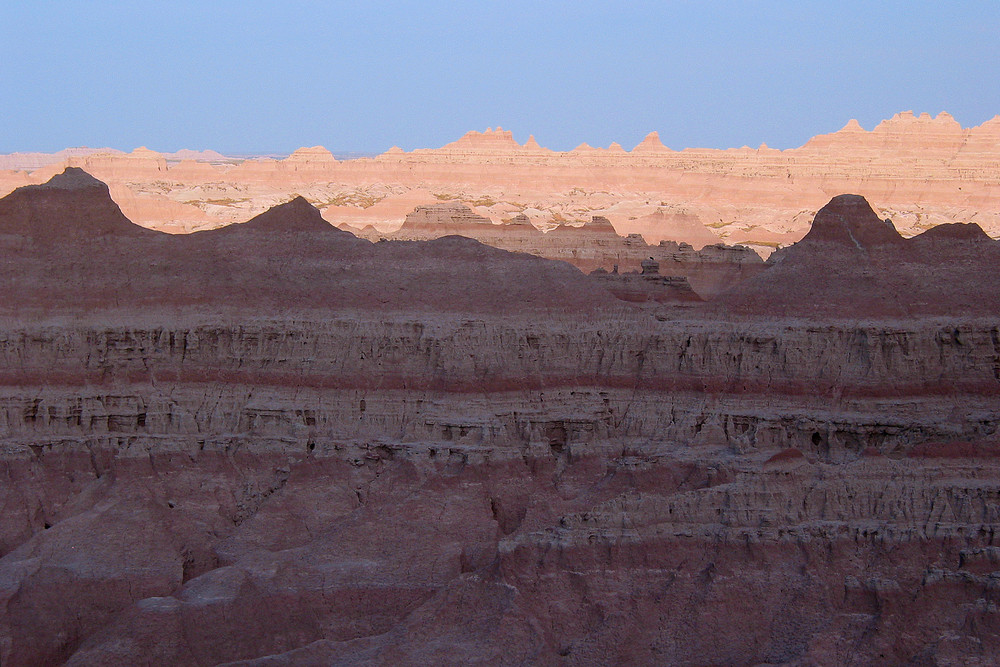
(920, 171)
(594, 245)
(281, 467)
(67, 245)
(851, 262)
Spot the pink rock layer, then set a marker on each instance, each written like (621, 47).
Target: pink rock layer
(922, 171)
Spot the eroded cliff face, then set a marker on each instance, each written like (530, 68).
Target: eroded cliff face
(592, 246)
(276, 443)
(921, 171)
(224, 491)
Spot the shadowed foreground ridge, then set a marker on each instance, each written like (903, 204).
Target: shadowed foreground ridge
(70, 206)
(85, 254)
(852, 264)
(850, 219)
(279, 444)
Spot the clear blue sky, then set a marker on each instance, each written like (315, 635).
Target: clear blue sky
(270, 77)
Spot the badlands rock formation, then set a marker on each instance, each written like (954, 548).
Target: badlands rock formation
(68, 246)
(594, 245)
(279, 444)
(869, 270)
(920, 171)
(32, 161)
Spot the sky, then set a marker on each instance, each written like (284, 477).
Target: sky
(268, 77)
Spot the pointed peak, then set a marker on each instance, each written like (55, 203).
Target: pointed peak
(298, 202)
(616, 147)
(852, 126)
(72, 204)
(850, 220)
(295, 202)
(72, 178)
(651, 144)
(295, 215)
(531, 144)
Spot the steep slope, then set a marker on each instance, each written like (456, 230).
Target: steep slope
(287, 258)
(353, 486)
(71, 205)
(849, 220)
(279, 444)
(852, 264)
(296, 216)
